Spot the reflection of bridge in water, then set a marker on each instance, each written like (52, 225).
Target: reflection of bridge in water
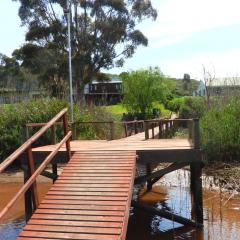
(91, 197)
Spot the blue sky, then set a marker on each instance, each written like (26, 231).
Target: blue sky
(186, 35)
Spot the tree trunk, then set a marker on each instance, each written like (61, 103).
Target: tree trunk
(79, 87)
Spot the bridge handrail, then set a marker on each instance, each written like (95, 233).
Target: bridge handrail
(27, 146)
(30, 141)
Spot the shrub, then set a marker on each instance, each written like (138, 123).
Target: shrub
(187, 107)
(220, 132)
(14, 117)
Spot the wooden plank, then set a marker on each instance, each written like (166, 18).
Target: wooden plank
(91, 181)
(78, 217)
(57, 235)
(82, 202)
(75, 223)
(93, 185)
(89, 200)
(82, 207)
(70, 229)
(82, 189)
(97, 174)
(99, 171)
(62, 193)
(80, 212)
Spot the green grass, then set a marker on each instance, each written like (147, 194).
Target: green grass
(117, 110)
(164, 112)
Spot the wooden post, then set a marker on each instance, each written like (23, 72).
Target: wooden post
(26, 133)
(126, 129)
(53, 135)
(190, 129)
(152, 130)
(196, 178)
(65, 129)
(160, 130)
(54, 141)
(166, 129)
(112, 130)
(28, 194)
(196, 133)
(32, 170)
(135, 127)
(146, 130)
(74, 131)
(148, 172)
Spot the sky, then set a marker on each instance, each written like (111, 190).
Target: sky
(186, 36)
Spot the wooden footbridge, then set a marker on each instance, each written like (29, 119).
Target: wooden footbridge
(91, 197)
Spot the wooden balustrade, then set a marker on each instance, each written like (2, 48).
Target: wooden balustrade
(33, 173)
(167, 127)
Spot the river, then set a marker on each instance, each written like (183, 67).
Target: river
(221, 211)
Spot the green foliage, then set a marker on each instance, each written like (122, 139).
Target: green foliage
(142, 88)
(15, 116)
(220, 131)
(187, 107)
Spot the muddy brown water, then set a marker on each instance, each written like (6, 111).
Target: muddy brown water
(221, 211)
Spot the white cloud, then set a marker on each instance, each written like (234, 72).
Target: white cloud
(224, 64)
(178, 20)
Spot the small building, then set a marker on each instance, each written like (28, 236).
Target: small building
(219, 87)
(104, 93)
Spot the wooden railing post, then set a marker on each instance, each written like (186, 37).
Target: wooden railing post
(190, 129)
(28, 194)
(196, 177)
(112, 130)
(126, 129)
(135, 127)
(196, 133)
(26, 133)
(146, 130)
(53, 135)
(32, 170)
(65, 129)
(74, 130)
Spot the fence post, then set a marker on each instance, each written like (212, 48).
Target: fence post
(32, 170)
(135, 127)
(28, 194)
(126, 129)
(65, 129)
(74, 130)
(53, 135)
(196, 177)
(26, 133)
(112, 130)
(146, 130)
(196, 133)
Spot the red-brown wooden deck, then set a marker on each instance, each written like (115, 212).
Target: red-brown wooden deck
(89, 200)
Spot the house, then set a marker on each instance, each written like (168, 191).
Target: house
(104, 93)
(219, 87)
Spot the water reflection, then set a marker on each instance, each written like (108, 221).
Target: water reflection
(14, 221)
(221, 212)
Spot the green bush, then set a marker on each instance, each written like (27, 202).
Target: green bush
(220, 132)
(13, 118)
(174, 104)
(187, 107)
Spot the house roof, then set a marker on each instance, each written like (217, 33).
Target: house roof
(226, 81)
